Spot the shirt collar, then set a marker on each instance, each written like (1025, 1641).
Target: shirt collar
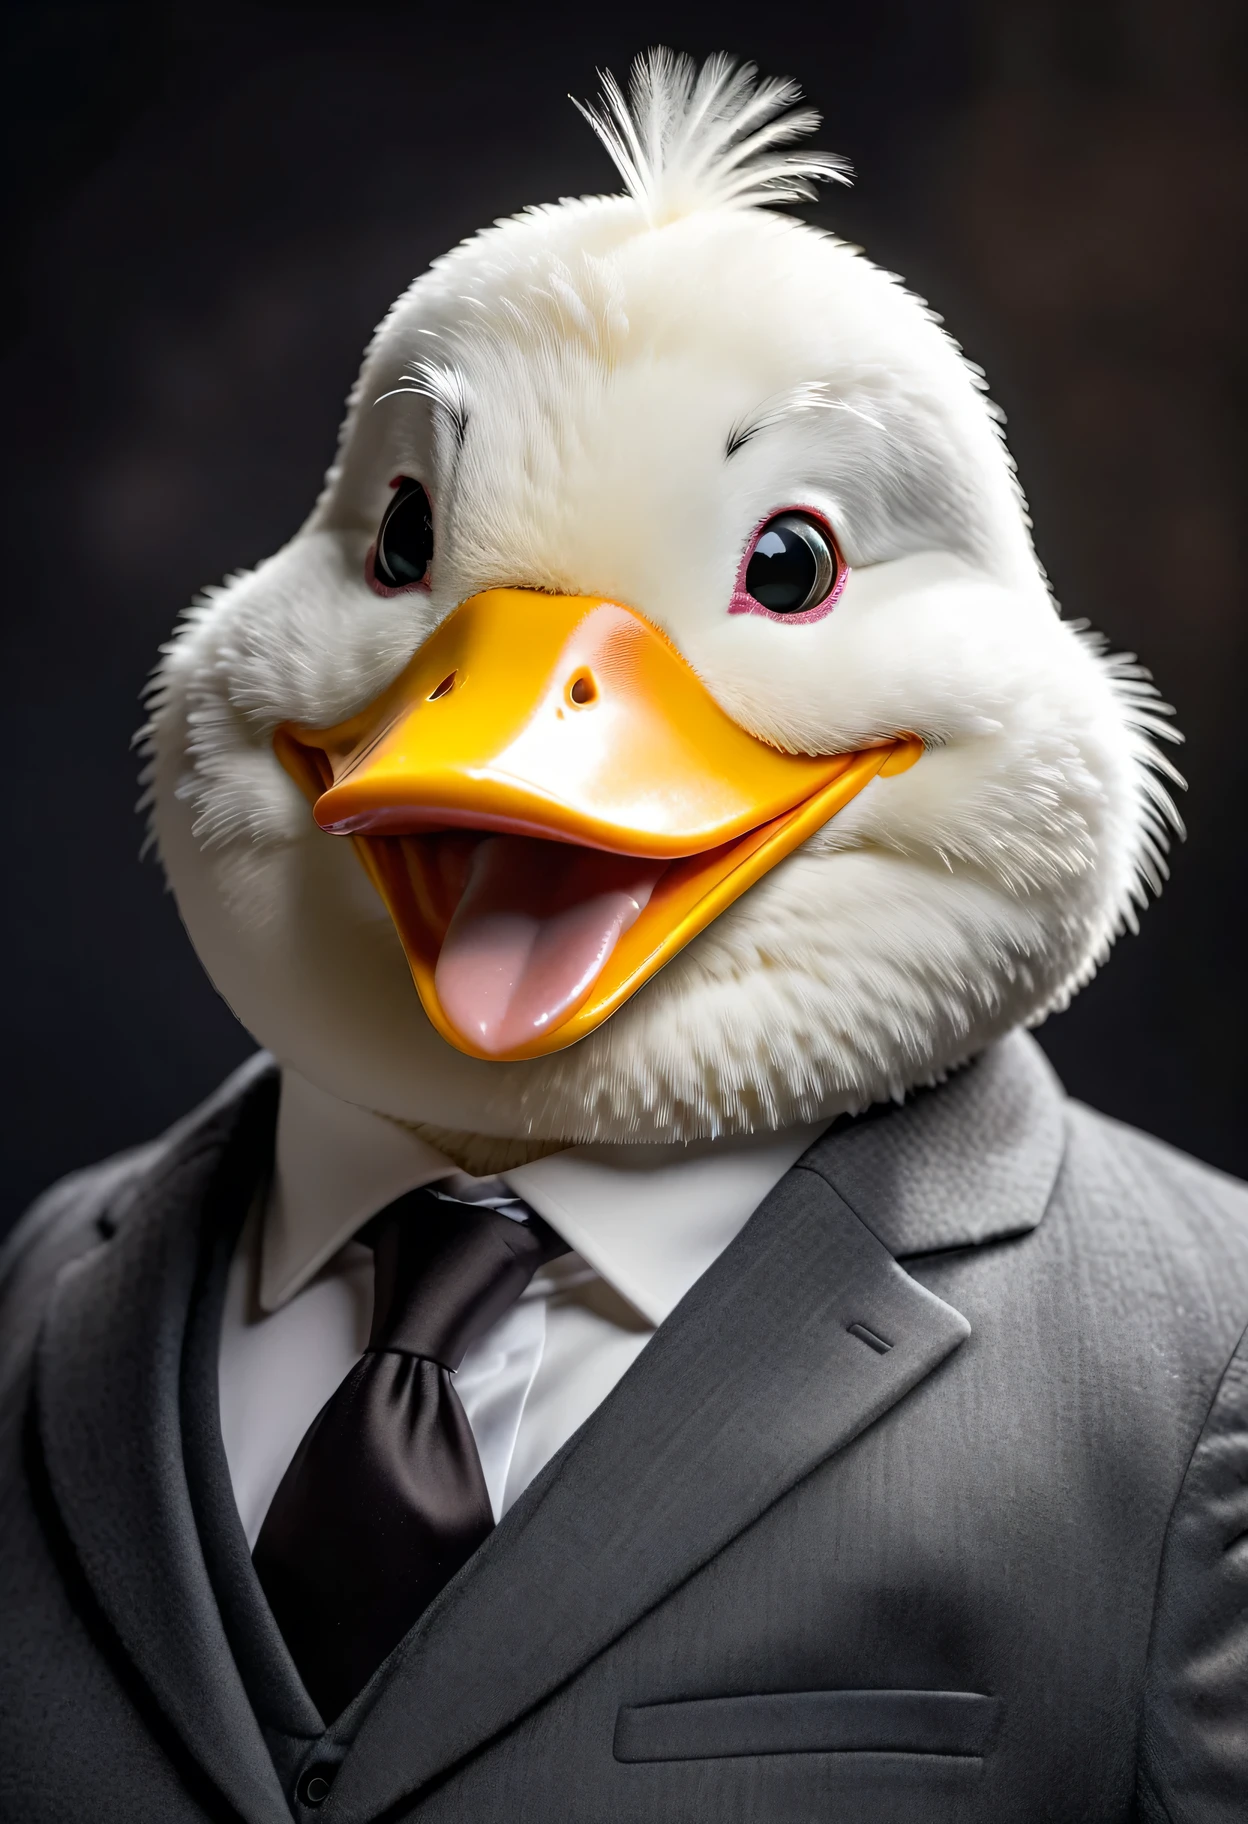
(649, 1219)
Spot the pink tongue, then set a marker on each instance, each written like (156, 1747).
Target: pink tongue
(531, 934)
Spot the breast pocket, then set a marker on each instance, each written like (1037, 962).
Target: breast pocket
(952, 1723)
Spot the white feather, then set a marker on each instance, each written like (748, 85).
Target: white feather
(689, 139)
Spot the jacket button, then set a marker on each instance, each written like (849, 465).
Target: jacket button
(314, 1785)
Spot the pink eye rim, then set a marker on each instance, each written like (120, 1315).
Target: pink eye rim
(423, 587)
(409, 493)
(742, 602)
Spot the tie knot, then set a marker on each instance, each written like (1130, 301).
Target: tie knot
(446, 1271)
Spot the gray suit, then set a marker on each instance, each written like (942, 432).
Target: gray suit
(929, 1502)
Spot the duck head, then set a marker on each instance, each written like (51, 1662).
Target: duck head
(662, 726)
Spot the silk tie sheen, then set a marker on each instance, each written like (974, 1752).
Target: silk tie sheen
(385, 1498)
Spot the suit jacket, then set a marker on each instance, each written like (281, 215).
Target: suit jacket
(929, 1502)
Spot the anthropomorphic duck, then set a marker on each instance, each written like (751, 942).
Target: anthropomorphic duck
(649, 1338)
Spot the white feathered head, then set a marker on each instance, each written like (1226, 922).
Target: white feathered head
(747, 451)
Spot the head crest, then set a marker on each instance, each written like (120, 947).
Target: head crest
(687, 139)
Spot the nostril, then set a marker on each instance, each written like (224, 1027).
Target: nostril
(583, 688)
(448, 683)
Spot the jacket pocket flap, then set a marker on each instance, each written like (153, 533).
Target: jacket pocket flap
(809, 1722)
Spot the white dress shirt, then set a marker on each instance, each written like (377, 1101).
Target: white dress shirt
(644, 1222)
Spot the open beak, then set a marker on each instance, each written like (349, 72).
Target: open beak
(551, 805)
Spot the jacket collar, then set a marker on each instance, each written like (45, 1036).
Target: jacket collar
(971, 1161)
(765, 1370)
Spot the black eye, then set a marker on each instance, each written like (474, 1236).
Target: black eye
(404, 548)
(793, 565)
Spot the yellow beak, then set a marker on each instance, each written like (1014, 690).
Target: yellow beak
(544, 719)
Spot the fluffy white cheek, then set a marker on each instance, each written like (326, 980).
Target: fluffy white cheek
(838, 981)
(297, 942)
(921, 643)
(859, 966)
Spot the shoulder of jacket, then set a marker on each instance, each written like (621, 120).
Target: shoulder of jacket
(1116, 1156)
(1184, 1225)
(86, 1208)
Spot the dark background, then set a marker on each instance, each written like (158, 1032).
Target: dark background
(214, 205)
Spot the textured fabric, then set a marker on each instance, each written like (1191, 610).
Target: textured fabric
(974, 1164)
(1031, 1497)
(1195, 1739)
(100, 1560)
(385, 1499)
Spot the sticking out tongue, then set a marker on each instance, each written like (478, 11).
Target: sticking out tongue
(531, 934)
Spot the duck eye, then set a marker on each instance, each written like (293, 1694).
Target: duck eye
(404, 548)
(793, 565)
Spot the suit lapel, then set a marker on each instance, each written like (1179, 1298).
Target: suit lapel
(802, 1334)
(971, 1162)
(107, 1397)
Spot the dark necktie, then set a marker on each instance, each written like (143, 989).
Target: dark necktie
(385, 1498)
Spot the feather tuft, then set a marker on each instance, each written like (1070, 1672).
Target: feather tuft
(687, 138)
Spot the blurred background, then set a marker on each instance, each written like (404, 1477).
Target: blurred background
(211, 207)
